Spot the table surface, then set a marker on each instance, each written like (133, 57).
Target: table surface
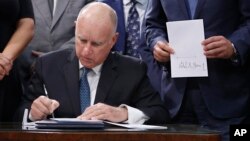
(174, 132)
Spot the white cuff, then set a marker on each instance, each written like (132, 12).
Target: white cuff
(135, 116)
(30, 117)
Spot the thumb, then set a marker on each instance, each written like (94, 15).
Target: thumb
(55, 104)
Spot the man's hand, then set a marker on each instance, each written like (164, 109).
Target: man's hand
(162, 51)
(102, 111)
(5, 66)
(218, 47)
(42, 107)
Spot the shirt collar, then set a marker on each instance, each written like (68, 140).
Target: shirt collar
(126, 2)
(96, 69)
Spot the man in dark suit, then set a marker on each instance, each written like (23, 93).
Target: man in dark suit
(54, 29)
(118, 85)
(222, 98)
(122, 8)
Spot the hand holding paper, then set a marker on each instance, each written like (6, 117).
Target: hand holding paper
(186, 37)
(218, 47)
(162, 51)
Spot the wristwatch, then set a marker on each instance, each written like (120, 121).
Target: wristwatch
(235, 57)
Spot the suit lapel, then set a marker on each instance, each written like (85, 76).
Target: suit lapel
(184, 7)
(107, 78)
(71, 74)
(199, 7)
(60, 8)
(43, 7)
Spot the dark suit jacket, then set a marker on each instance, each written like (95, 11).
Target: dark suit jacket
(117, 5)
(154, 70)
(123, 80)
(154, 67)
(225, 90)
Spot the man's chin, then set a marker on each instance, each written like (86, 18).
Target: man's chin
(87, 64)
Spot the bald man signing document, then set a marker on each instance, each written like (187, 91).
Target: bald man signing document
(114, 87)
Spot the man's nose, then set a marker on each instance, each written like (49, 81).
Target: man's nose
(87, 49)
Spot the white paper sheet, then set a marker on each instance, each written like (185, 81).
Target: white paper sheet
(185, 38)
(75, 120)
(139, 126)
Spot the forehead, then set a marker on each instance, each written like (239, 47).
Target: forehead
(93, 28)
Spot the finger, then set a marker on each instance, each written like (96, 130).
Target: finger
(97, 115)
(93, 111)
(38, 110)
(37, 114)
(43, 104)
(4, 59)
(84, 116)
(161, 55)
(5, 62)
(211, 40)
(55, 104)
(164, 46)
(2, 71)
(161, 58)
(1, 77)
(213, 45)
(103, 116)
(161, 52)
(2, 67)
(46, 101)
(213, 52)
(90, 111)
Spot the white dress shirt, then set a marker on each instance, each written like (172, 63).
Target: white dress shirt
(135, 116)
(140, 7)
(54, 7)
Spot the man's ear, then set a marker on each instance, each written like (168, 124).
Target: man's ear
(115, 38)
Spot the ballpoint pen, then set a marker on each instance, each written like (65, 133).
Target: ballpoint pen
(46, 93)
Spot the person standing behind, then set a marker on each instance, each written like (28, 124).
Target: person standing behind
(130, 17)
(91, 82)
(16, 30)
(54, 27)
(222, 98)
(131, 39)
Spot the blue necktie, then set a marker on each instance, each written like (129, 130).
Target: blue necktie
(84, 90)
(192, 7)
(133, 31)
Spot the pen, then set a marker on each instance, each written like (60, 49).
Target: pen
(46, 93)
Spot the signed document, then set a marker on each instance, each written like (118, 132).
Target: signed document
(75, 123)
(185, 38)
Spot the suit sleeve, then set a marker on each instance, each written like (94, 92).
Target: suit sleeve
(241, 37)
(155, 23)
(35, 89)
(149, 102)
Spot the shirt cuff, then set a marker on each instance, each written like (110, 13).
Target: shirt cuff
(135, 116)
(235, 57)
(30, 117)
